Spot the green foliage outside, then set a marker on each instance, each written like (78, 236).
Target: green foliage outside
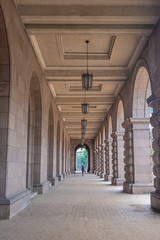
(82, 158)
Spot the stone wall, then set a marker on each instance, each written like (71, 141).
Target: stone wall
(18, 68)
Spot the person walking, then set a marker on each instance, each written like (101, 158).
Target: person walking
(82, 168)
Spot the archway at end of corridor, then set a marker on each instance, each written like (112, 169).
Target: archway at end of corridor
(82, 157)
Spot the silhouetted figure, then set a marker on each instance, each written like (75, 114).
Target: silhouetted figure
(82, 168)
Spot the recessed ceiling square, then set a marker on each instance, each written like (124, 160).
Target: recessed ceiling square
(73, 46)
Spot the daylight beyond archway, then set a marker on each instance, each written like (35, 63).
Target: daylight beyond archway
(81, 158)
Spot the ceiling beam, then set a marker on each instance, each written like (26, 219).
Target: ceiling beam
(77, 115)
(89, 20)
(75, 73)
(91, 100)
(139, 30)
(90, 10)
(63, 81)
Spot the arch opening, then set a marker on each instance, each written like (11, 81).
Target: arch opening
(58, 151)
(82, 156)
(63, 153)
(118, 148)
(109, 152)
(4, 100)
(81, 159)
(34, 135)
(141, 112)
(50, 145)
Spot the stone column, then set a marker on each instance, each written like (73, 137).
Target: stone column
(99, 161)
(155, 122)
(118, 159)
(95, 161)
(138, 172)
(97, 157)
(102, 160)
(108, 163)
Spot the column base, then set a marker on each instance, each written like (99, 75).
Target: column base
(117, 181)
(95, 172)
(53, 181)
(108, 178)
(98, 173)
(64, 175)
(101, 175)
(12, 205)
(60, 178)
(155, 200)
(42, 187)
(137, 188)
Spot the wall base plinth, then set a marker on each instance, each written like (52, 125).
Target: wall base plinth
(64, 175)
(55, 181)
(117, 181)
(98, 174)
(155, 200)
(108, 178)
(52, 181)
(138, 188)
(12, 205)
(42, 187)
(60, 178)
(101, 175)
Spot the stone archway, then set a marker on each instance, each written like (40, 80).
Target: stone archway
(50, 146)
(4, 101)
(138, 163)
(102, 152)
(63, 154)
(108, 152)
(88, 150)
(118, 148)
(59, 153)
(34, 136)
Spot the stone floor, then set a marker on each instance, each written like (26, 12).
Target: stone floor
(82, 208)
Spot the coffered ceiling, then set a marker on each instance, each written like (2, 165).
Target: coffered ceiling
(117, 31)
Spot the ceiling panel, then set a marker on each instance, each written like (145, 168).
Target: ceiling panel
(117, 31)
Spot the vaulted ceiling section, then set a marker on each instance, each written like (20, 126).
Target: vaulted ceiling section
(117, 31)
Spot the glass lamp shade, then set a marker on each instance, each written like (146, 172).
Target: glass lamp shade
(83, 130)
(87, 81)
(85, 108)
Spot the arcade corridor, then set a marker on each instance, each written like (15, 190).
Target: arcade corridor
(79, 74)
(81, 209)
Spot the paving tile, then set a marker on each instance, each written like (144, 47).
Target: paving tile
(82, 208)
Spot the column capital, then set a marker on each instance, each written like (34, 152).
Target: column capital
(108, 140)
(138, 123)
(103, 145)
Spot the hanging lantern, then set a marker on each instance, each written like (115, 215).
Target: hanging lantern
(84, 123)
(87, 78)
(85, 108)
(83, 130)
(87, 81)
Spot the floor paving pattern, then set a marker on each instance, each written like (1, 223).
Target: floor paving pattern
(83, 208)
